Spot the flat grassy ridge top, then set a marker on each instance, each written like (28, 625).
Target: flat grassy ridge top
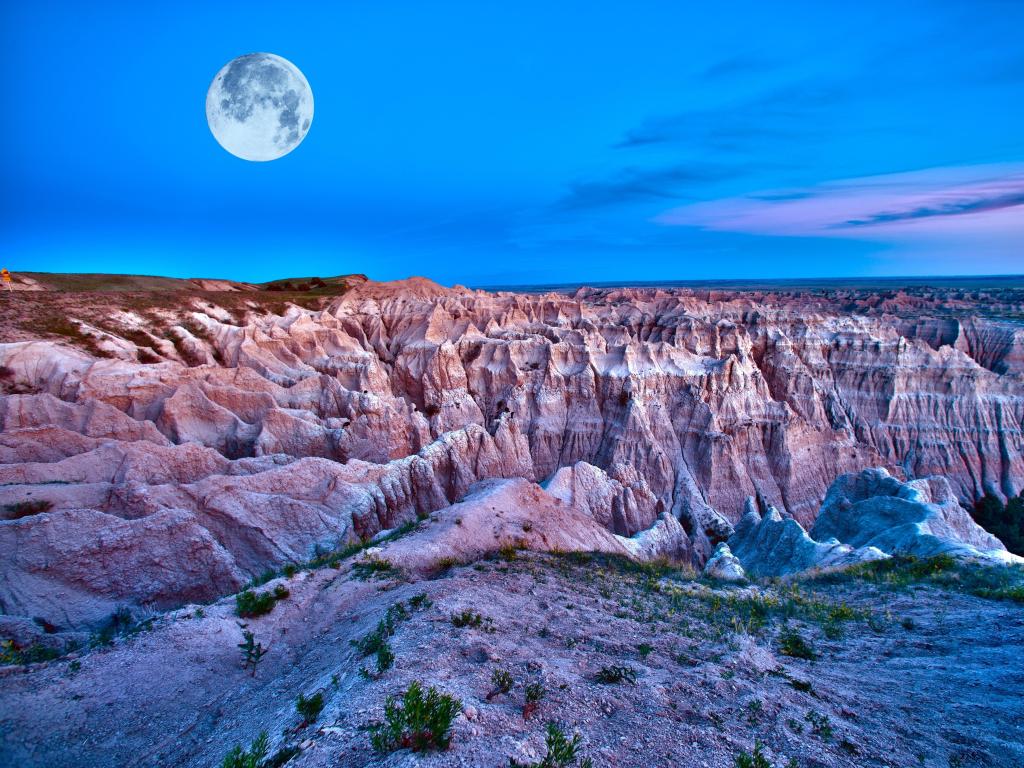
(104, 283)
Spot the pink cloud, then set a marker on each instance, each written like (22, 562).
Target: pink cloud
(966, 201)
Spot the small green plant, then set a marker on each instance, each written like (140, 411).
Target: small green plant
(502, 681)
(754, 709)
(373, 568)
(644, 649)
(616, 674)
(534, 693)
(821, 724)
(250, 758)
(282, 756)
(376, 643)
(263, 578)
(792, 643)
(12, 653)
(510, 552)
(309, 709)
(801, 685)
(562, 752)
(385, 658)
(120, 624)
(420, 721)
(420, 601)
(471, 620)
(289, 570)
(249, 604)
(755, 760)
(444, 564)
(252, 651)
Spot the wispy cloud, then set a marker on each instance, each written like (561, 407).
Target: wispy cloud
(781, 114)
(734, 66)
(984, 199)
(631, 185)
(971, 204)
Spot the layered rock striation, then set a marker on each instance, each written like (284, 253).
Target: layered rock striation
(251, 438)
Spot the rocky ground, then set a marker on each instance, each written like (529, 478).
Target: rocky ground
(896, 669)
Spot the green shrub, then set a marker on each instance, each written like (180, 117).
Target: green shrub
(282, 756)
(120, 624)
(373, 567)
(251, 758)
(1014, 593)
(420, 721)
(821, 724)
(562, 751)
(376, 643)
(263, 578)
(249, 604)
(12, 653)
(502, 681)
(420, 601)
(616, 674)
(469, 619)
(792, 643)
(252, 651)
(385, 658)
(756, 760)
(309, 709)
(644, 649)
(534, 693)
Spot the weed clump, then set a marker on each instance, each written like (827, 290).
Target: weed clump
(755, 760)
(821, 724)
(374, 568)
(250, 758)
(252, 651)
(472, 620)
(562, 752)
(12, 653)
(376, 643)
(309, 709)
(420, 721)
(616, 674)
(792, 643)
(249, 604)
(534, 693)
(502, 681)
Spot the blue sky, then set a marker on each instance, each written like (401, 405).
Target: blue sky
(496, 143)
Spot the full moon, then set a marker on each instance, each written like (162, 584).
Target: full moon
(259, 107)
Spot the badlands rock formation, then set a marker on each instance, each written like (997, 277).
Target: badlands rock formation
(181, 451)
(866, 516)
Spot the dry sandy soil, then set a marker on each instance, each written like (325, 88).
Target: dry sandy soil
(912, 673)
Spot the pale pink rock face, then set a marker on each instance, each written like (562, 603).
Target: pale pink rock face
(268, 439)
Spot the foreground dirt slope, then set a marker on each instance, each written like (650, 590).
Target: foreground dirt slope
(909, 674)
